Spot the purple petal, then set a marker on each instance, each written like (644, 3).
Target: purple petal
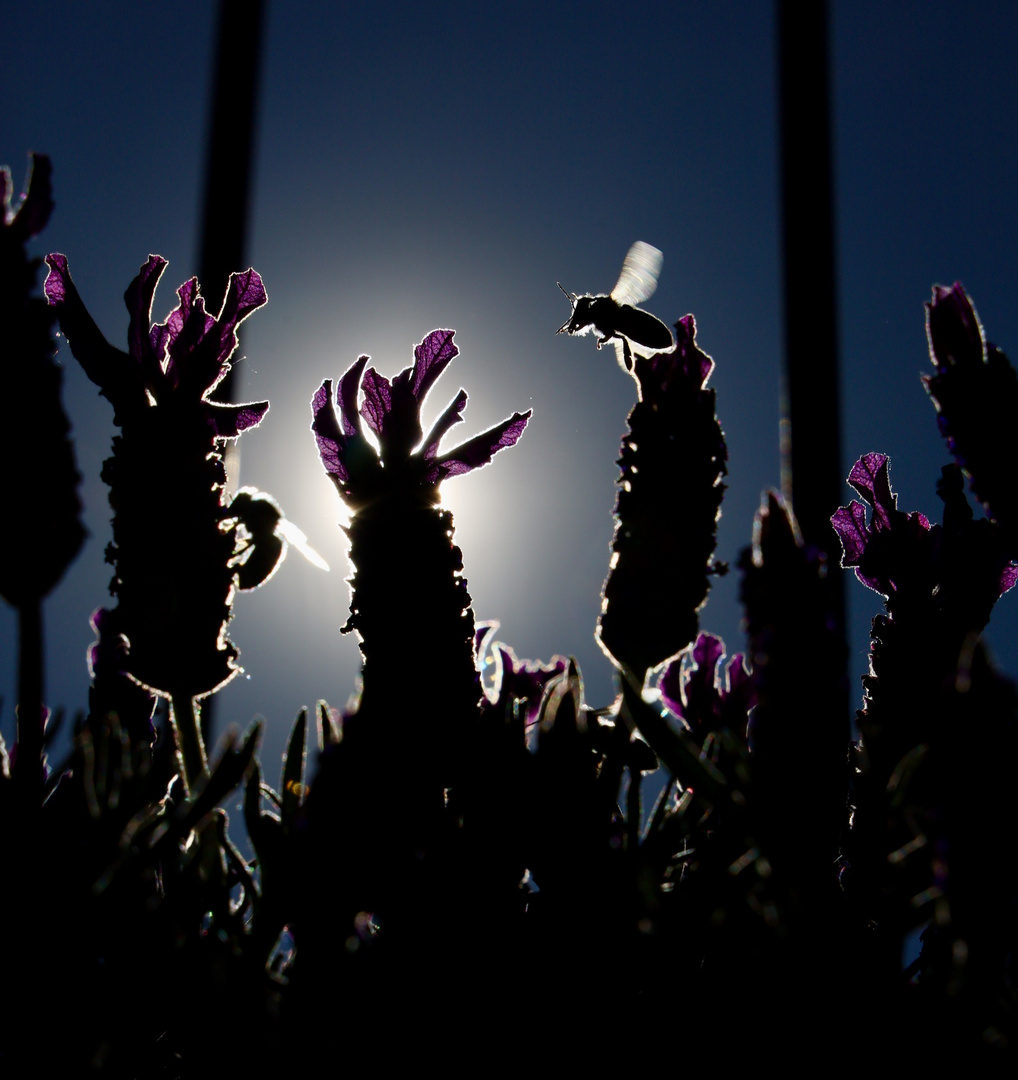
(346, 396)
(864, 473)
(479, 450)
(6, 191)
(686, 347)
(144, 345)
(159, 340)
(431, 358)
(850, 524)
(99, 621)
(702, 677)
(483, 633)
(525, 680)
(192, 354)
(885, 502)
(58, 280)
(230, 420)
(245, 293)
(377, 400)
(184, 319)
(871, 581)
(738, 681)
(707, 651)
(453, 415)
(1008, 578)
(392, 410)
(181, 332)
(953, 328)
(699, 691)
(869, 477)
(328, 436)
(671, 683)
(106, 366)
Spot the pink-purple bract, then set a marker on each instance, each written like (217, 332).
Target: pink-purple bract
(391, 410)
(173, 363)
(704, 691)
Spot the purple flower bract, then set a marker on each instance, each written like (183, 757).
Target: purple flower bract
(406, 459)
(179, 361)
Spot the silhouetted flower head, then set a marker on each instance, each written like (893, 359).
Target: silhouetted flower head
(869, 546)
(893, 549)
(683, 369)
(705, 692)
(406, 459)
(176, 362)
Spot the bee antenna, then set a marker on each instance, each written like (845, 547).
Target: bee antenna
(570, 296)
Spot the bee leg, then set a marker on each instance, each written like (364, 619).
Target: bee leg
(627, 355)
(623, 354)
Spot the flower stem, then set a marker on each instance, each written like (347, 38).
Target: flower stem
(31, 713)
(185, 718)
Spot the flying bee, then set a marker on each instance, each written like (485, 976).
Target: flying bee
(615, 317)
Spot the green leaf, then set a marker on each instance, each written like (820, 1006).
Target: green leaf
(293, 768)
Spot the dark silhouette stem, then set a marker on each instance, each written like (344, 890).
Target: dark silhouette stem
(185, 714)
(31, 711)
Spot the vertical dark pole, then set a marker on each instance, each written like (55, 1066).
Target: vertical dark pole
(228, 186)
(811, 428)
(231, 147)
(811, 340)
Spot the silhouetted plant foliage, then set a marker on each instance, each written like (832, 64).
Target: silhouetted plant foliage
(472, 863)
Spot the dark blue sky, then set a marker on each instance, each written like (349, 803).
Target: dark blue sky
(443, 165)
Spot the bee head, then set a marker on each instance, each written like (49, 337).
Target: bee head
(583, 317)
(577, 320)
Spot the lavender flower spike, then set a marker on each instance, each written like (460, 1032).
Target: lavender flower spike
(175, 542)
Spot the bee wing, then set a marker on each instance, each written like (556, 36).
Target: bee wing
(638, 279)
(293, 536)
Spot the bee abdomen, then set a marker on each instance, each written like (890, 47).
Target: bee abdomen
(643, 328)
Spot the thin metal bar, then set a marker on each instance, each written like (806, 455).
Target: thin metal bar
(811, 429)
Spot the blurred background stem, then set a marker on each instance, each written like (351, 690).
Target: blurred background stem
(31, 712)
